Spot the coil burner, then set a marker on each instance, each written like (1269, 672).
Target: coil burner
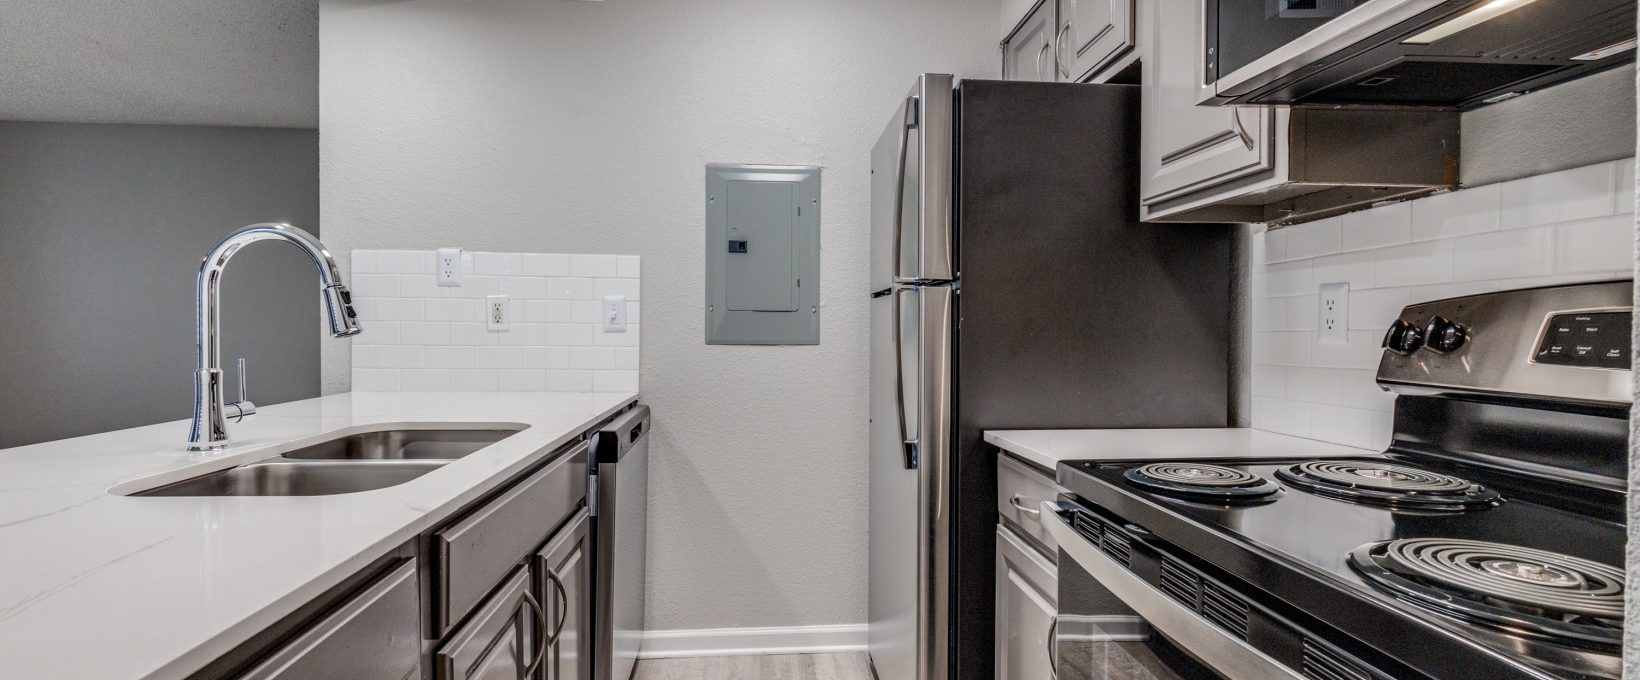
(1202, 482)
(1396, 486)
(1521, 590)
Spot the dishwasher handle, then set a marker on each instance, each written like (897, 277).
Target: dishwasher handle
(621, 435)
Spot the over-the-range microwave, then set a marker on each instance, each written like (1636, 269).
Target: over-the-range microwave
(1444, 53)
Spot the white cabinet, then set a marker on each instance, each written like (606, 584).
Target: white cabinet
(1027, 53)
(1269, 164)
(1090, 41)
(1094, 37)
(1189, 147)
(1026, 598)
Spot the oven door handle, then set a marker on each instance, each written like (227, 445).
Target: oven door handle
(1232, 658)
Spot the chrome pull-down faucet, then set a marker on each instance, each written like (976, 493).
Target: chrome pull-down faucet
(209, 431)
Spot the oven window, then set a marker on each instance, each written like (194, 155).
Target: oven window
(1241, 31)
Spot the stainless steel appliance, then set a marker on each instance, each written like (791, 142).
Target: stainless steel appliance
(1462, 53)
(618, 496)
(1013, 286)
(1486, 542)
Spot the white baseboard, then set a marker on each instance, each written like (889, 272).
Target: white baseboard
(748, 641)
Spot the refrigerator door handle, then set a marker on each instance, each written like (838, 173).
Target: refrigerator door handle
(907, 124)
(908, 445)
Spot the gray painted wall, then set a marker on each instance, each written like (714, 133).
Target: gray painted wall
(102, 228)
(1571, 125)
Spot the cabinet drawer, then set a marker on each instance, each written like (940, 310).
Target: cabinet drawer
(472, 555)
(374, 634)
(501, 642)
(1020, 488)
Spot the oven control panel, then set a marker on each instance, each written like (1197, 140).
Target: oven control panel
(1591, 339)
(1557, 344)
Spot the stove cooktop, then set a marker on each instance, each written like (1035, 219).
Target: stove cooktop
(1457, 571)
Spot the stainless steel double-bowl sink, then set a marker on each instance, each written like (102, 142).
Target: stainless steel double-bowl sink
(357, 462)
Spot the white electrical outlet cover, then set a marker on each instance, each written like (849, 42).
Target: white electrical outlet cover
(614, 314)
(495, 313)
(1333, 314)
(447, 267)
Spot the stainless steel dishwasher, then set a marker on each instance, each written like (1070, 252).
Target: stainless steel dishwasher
(619, 498)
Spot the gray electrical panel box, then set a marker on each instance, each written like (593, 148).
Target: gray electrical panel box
(762, 255)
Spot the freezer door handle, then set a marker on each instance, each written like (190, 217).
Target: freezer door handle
(907, 124)
(908, 444)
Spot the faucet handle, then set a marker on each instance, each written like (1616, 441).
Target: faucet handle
(243, 408)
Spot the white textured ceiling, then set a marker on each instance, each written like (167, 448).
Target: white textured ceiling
(200, 62)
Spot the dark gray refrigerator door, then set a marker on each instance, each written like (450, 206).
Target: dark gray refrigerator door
(1073, 313)
(911, 189)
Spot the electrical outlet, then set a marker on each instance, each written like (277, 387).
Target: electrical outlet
(1334, 322)
(495, 313)
(447, 267)
(614, 314)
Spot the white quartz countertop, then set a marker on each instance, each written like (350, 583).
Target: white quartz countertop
(99, 585)
(1048, 447)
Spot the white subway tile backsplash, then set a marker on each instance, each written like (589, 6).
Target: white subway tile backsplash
(1316, 238)
(545, 264)
(1303, 312)
(1504, 254)
(1375, 309)
(420, 336)
(1566, 227)
(570, 288)
(1470, 211)
(524, 287)
(594, 266)
(498, 264)
(1288, 278)
(627, 287)
(1563, 196)
(1414, 264)
(404, 261)
(1591, 246)
(1382, 226)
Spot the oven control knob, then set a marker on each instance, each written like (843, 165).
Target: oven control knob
(1403, 338)
(1444, 336)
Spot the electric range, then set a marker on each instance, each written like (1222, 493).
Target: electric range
(1486, 541)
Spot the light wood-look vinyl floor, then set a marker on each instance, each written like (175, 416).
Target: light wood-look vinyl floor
(841, 666)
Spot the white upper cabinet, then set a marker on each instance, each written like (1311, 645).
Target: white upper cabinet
(1084, 41)
(1094, 37)
(1027, 53)
(1185, 146)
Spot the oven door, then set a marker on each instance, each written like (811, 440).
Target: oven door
(1112, 624)
(1248, 44)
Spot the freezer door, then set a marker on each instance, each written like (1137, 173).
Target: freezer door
(910, 452)
(911, 189)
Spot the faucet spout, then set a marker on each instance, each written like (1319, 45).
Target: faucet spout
(209, 431)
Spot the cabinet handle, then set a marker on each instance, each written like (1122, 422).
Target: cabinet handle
(541, 623)
(563, 611)
(1039, 53)
(1235, 119)
(1015, 501)
(1053, 649)
(1059, 59)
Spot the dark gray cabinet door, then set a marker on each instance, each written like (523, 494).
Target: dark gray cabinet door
(375, 635)
(500, 641)
(1027, 54)
(563, 580)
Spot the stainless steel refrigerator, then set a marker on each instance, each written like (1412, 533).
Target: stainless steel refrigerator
(1013, 287)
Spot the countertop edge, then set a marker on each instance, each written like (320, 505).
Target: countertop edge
(246, 629)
